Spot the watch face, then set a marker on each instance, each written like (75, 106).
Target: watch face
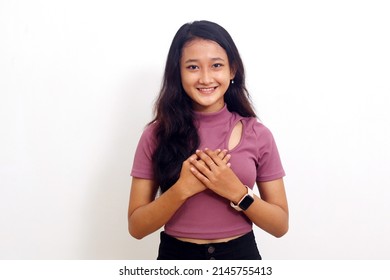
(246, 202)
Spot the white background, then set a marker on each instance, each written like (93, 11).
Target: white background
(77, 83)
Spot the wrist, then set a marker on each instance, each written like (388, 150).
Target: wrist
(245, 201)
(180, 192)
(239, 194)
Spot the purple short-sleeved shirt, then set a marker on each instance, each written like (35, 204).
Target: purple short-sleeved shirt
(207, 215)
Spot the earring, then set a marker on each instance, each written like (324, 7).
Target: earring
(232, 81)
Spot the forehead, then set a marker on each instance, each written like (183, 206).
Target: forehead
(201, 49)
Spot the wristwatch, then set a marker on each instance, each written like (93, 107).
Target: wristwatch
(244, 202)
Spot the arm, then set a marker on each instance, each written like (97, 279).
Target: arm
(147, 214)
(269, 211)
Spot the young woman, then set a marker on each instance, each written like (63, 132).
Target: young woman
(198, 160)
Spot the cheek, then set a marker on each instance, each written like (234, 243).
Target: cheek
(186, 84)
(187, 80)
(224, 77)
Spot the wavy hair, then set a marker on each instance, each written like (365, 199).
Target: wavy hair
(176, 135)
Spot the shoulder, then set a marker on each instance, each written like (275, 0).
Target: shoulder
(148, 136)
(149, 130)
(255, 127)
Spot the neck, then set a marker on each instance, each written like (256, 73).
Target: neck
(212, 119)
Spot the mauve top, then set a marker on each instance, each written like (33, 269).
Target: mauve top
(207, 215)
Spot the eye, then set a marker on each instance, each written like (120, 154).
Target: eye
(217, 65)
(192, 67)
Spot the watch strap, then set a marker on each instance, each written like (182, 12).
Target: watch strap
(237, 206)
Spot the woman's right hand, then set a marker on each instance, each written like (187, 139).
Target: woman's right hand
(147, 213)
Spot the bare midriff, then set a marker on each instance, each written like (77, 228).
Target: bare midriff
(207, 241)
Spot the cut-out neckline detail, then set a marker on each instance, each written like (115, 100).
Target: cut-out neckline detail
(235, 136)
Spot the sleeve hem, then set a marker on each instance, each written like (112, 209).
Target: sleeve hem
(141, 175)
(271, 177)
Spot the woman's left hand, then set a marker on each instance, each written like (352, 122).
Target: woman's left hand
(217, 175)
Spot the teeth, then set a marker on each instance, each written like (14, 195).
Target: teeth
(206, 90)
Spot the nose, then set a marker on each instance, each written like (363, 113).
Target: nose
(206, 77)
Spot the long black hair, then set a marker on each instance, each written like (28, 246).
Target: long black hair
(176, 135)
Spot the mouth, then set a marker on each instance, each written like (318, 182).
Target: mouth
(207, 90)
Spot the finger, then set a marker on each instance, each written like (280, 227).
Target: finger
(205, 157)
(204, 163)
(226, 159)
(193, 157)
(214, 156)
(221, 153)
(200, 176)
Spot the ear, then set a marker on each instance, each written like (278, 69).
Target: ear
(232, 74)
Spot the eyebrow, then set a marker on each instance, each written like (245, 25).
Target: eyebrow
(196, 60)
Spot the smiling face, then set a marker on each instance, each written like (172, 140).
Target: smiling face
(205, 74)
